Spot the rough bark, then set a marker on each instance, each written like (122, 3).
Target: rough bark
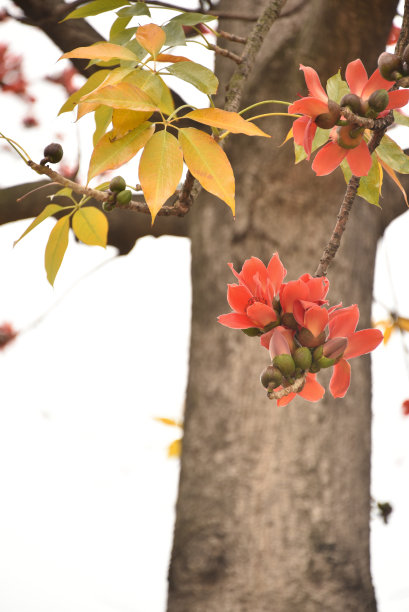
(273, 507)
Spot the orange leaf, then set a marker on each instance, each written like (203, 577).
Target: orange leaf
(124, 121)
(160, 170)
(103, 51)
(173, 59)
(402, 323)
(208, 163)
(288, 137)
(110, 154)
(84, 107)
(151, 37)
(226, 120)
(393, 176)
(123, 95)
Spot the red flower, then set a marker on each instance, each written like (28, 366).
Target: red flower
(7, 334)
(305, 288)
(332, 154)
(405, 408)
(252, 299)
(312, 391)
(310, 107)
(342, 324)
(393, 35)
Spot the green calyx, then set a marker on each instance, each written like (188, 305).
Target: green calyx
(124, 197)
(379, 100)
(117, 184)
(252, 332)
(271, 377)
(302, 358)
(285, 363)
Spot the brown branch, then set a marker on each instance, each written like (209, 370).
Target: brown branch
(220, 51)
(403, 39)
(232, 37)
(371, 124)
(294, 388)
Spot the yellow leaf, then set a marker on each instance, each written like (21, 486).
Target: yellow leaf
(123, 95)
(124, 121)
(288, 137)
(90, 85)
(167, 421)
(56, 247)
(103, 117)
(114, 76)
(226, 120)
(110, 154)
(84, 108)
(103, 51)
(173, 59)
(160, 170)
(402, 323)
(393, 176)
(208, 163)
(151, 37)
(49, 210)
(387, 333)
(90, 225)
(175, 448)
(157, 90)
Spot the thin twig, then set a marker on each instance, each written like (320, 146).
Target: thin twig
(232, 37)
(294, 388)
(403, 39)
(220, 51)
(371, 124)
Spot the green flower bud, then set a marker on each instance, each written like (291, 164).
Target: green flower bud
(379, 100)
(271, 377)
(390, 65)
(306, 338)
(271, 325)
(285, 363)
(252, 331)
(117, 184)
(302, 358)
(348, 138)
(52, 153)
(324, 362)
(288, 320)
(328, 120)
(318, 352)
(353, 102)
(124, 197)
(107, 206)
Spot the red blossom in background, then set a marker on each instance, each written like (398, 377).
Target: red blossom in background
(405, 408)
(7, 334)
(66, 79)
(393, 35)
(299, 329)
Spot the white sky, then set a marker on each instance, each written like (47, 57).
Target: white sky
(87, 490)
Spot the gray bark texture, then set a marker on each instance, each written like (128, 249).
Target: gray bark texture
(273, 506)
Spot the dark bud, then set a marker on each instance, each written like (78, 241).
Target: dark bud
(288, 320)
(353, 102)
(302, 358)
(390, 65)
(328, 120)
(271, 377)
(379, 100)
(306, 338)
(252, 331)
(124, 197)
(52, 153)
(117, 184)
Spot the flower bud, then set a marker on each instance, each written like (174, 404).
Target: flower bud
(346, 137)
(354, 102)
(288, 320)
(324, 362)
(302, 358)
(52, 154)
(328, 120)
(271, 325)
(285, 363)
(334, 348)
(124, 197)
(252, 331)
(306, 338)
(390, 65)
(107, 206)
(271, 376)
(379, 100)
(278, 344)
(117, 184)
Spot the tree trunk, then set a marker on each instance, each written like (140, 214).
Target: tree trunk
(273, 507)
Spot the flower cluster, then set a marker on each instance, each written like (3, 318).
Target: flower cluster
(367, 97)
(302, 333)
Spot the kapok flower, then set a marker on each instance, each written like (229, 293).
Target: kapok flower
(405, 408)
(315, 105)
(342, 324)
(7, 334)
(252, 299)
(343, 146)
(307, 287)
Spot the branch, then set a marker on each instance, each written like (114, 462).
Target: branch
(225, 52)
(294, 388)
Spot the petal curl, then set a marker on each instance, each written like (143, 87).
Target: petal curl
(299, 126)
(376, 81)
(316, 319)
(253, 273)
(343, 322)
(309, 134)
(313, 82)
(341, 378)
(356, 76)
(235, 320)
(359, 159)
(397, 99)
(261, 314)
(312, 390)
(238, 297)
(276, 273)
(328, 158)
(289, 292)
(309, 106)
(363, 342)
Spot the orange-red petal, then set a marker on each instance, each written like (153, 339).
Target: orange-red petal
(312, 390)
(299, 126)
(261, 314)
(238, 297)
(286, 399)
(328, 158)
(276, 272)
(309, 106)
(356, 76)
(343, 322)
(397, 99)
(359, 159)
(309, 134)
(294, 290)
(252, 273)
(313, 82)
(316, 319)
(235, 320)
(363, 342)
(376, 81)
(341, 378)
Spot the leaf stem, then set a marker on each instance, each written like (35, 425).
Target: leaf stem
(263, 102)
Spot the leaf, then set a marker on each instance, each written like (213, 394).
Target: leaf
(119, 34)
(370, 185)
(208, 163)
(56, 247)
(175, 35)
(175, 448)
(136, 49)
(92, 83)
(402, 323)
(48, 211)
(90, 225)
(84, 108)
(195, 74)
(226, 120)
(337, 88)
(320, 138)
(173, 59)
(191, 19)
(64, 192)
(102, 116)
(400, 118)
(114, 76)
(102, 51)
(160, 170)
(137, 9)
(95, 8)
(288, 137)
(124, 121)
(123, 95)
(391, 153)
(154, 87)
(167, 421)
(110, 154)
(151, 37)
(393, 176)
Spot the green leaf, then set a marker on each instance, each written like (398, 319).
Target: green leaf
(102, 116)
(137, 9)
(90, 225)
(336, 87)
(175, 35)
(195, 74)
(136, 48)
(48, 211)
(320, 138)
(64, 192)
(56, 247)
(392, 155)
(119, 34)
(400, 118)
(92, 83)
(369, 186)
(191, 19)
(110, 154)
(95, 8)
